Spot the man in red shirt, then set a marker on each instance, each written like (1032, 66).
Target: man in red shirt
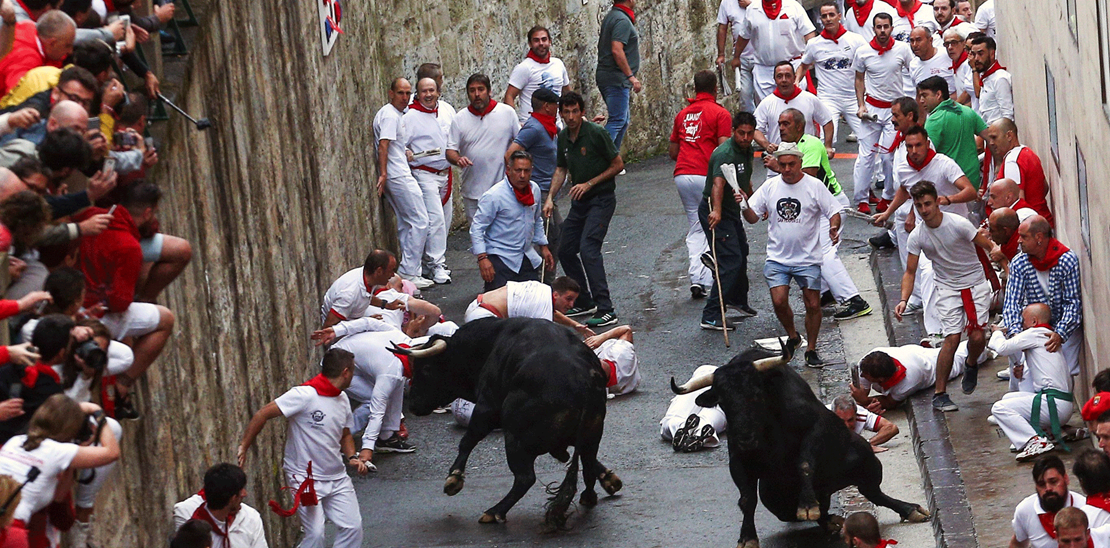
(1020, 164)
(698, 130)
(47, 42)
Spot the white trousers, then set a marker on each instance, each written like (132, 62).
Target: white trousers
(841, 105)
(834, 276)
(874, 140)
(745, 84)
(708, 415)
(475, 312)
(407, 201)
(380, 417)
(1015, 409)
(901, 237)
(338, 504)
(690, 188)
(91, 480)
(432, 186)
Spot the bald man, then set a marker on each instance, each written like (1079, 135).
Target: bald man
(1018, 163)
(45, 43)
(1003, 226)
(1007, 193)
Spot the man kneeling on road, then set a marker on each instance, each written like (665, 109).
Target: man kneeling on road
(529, 300)
(858, 418)
(896, 373)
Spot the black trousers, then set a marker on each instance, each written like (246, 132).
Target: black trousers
(503, 274)
(732, 261)
(580, 248)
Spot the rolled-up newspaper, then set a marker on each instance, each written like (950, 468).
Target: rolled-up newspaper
(856, 214)
(729, 173)
(426, 153)
(723, 70)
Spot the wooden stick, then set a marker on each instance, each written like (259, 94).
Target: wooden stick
(546, 231)
(717, 278)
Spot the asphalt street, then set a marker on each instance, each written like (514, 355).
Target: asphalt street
(668, 499)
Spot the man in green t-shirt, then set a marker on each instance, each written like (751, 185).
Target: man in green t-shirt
(721, 220)
(587, 154)
(952, 127)
(618, 62)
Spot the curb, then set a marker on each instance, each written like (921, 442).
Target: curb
(944, 487)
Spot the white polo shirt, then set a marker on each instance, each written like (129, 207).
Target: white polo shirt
(996, 97)
(730, 13)
(427, 131)
(484, 140)
(942, 171)
(865, 420)
(939, 65)
(795, 213)
(833, 62)
(1027, 525)
(389, 125)
(965, 82)
(921, 370)
(883, 73)
(315, 426)
(245, 530)
(780, 39)
(1046, 369)
(348, 297)
(769, 109)
(867, 28)
(984, 18)
(904, 25)
(530, 75)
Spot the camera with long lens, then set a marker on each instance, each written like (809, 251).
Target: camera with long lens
(90, 428)
(94, 357)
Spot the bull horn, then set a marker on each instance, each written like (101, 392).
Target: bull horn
(694, 384)
(768, 363)
(437, 347)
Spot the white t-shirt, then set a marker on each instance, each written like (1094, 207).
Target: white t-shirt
(347, 297)
(903, 25)
(730, 13)
(1046, 369)
(245, 531)
(390, 125)
(942, 171)
(396, 318)
(529, 300)
(939, 65)
(373, 360)
(833, 63)
(484, 140)
(1027, 525)
(956, 266)
(867, 29)
(984, 18)
(996, 97)
(965, 82)
(779, 39)
(684, 405)
(625, 364)
(865, 420)
(883, 73)
(769, 109)
(427, 131)
(315, 426)
(795, 218)
(530, 75)
(50, 457)
(921, 370)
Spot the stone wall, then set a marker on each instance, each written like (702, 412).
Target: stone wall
(277, 201)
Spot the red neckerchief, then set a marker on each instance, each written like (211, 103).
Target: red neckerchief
(541, 60)
(1048, 520)
(548, 123)
(202, 514)
(627, 11)
(910, 13)
(419, 107)
(31, 374)
(374, 292)
(611, 369)
(1052, 255)
(839, 32)
(993, 68)
(928, 158)
(323, 386)
(702, 97)
(772, 8)
(786, 98)
(862, 10)
(880, 49)
(406, 365)
(525, 197)
(1010, 248)
(897, 141)
(956, 64)
(489, 109)
(898, 376)
(304, 496)
(883, 543)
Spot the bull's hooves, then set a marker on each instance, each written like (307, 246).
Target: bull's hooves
(811, 513)
(748, 544)
(588, 498)
(453, 485)
(491, 518)
(919, 515)
(610, 482)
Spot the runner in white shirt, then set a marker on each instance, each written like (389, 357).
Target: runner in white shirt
(427, 122)
(896, 373)
(618, 357)
(539, 69)
(878, 83)
(929, 60)
(318, 442)
(479, 137)
(1092, 469)
(961, 69)
(910, 14)
(795, 203)
(220, 504)
(996, 96)
(777, 31)
(396, 182)
(984, 19)
(689, 426)
(351, 294)
(946, 17)
(858, 418)
(1032, 528)
(529, 300)
(788, 95)
(731, 16)
(963, 293)
(859, 16)
(831, 53)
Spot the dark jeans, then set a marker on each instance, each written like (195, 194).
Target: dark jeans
(554, 232)
(580, 248)
(732, 261)
(503, 274)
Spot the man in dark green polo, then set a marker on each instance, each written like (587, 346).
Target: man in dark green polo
(722, 222)
(952, 127)
(587, 153)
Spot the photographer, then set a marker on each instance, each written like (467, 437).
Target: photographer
(35, 383)
(48, 446)
(220, 504)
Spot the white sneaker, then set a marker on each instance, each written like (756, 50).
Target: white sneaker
(992, 420)
(80, 533)
(1036, 447)
(1004, 374)
(623, 172)
(419, 281)
(441, 276)
(852, 138)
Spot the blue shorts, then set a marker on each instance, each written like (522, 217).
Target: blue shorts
(152, 248)
(808, 277)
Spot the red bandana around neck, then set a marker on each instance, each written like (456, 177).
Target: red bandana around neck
(910, 12)
(772, 8)
(548, 123)
(883, 543)
(786, 98)
(1048, 520)
(31, 374)
(525, 197)
(1019, 204)
(898, 376)
(541, 60)
(1052, 256)
(323, 386)
(956, 64)
(416, 105)
(861, 10)
(898, 138)
(928, 158)
(1010, 248)
(834, 37)
(627, 11)
(882, 49)
(202, 514)
(993, 68)
(482, 114)
(406, 364)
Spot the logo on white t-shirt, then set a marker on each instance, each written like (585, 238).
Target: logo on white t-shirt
(318, 416)
(788, 209)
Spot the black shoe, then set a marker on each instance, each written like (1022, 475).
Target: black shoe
(715, 325)
(394, 445)
(813, 360)
(744, 310)
(696, 441)
(697, 291)
(602, 319)
(793, 344)
(580, 311)
(827, 299)
(855, 308)
(688, 430)
(707, 260)
(971, 378)
(941, 402)
(125, 408)
(881, 241)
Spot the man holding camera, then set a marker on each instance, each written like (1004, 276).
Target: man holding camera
(220, 504)
(34, 384)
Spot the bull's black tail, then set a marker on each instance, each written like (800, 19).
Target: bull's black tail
(561, 497)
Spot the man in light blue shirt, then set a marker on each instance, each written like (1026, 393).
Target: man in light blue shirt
(538, 137)
(507, 226)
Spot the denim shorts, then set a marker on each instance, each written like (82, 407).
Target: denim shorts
(808, 277)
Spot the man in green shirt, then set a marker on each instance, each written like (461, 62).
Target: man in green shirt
(588, 155)
(618, 62)
(952, 127)
(721, 220)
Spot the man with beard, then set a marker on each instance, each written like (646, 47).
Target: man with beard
(426, 123)
(996, 97)
(1033, 518)
(478, 139)
(539, 69)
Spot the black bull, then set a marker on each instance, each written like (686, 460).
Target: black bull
(785, 442)
(536, 381)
